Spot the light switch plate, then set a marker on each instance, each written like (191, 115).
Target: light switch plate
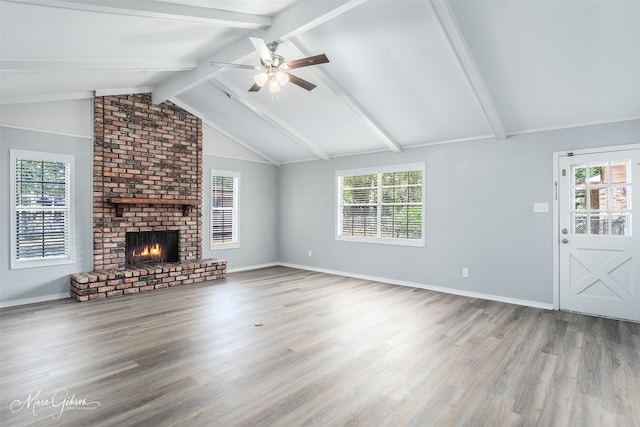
(541, 207)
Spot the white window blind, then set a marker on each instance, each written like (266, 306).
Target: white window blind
(382, 205)
(224, 208)
(41, 222)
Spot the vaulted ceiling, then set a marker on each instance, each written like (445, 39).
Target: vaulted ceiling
(402, 73)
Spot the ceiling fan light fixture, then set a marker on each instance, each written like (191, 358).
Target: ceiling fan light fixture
(274, 86)
(282, 78)
(273, 69)
(261, 79)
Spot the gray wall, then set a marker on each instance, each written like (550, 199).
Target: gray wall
(479, 214)
(258, 212)
(28, 285)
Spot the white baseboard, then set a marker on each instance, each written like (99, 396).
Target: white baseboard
(15, 302)
(498, 298)
(252, 267)
(528, 303)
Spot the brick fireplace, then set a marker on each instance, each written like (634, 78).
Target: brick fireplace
(147, 177)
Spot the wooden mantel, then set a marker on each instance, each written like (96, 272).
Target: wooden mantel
(185, 203)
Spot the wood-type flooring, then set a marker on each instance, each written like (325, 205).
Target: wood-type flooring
(286, 347)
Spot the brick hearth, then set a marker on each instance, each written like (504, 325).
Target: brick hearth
(148, 156)
(110, 283)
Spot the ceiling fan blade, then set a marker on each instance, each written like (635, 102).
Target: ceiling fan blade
(261, 47)
(255, 88)
(301, 82)
(226, 64)
(305, 62)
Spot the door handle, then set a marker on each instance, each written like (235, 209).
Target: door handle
(565, 240)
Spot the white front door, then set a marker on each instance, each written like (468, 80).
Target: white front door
(599, 233)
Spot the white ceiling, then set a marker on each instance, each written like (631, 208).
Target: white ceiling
(402, 73)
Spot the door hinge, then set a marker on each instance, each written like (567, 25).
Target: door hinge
(556, 190)
(564, 172)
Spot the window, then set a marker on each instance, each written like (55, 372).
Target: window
(601, 194)
(224, 209)
(41, 196)
(384, 205)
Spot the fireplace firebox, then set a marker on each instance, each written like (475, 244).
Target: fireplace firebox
(151, 247)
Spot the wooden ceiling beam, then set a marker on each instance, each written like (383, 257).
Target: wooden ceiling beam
(451, 29)
(160, 10)
(95, 66)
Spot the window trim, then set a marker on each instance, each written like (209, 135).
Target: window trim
(236, 210)
(69, 159)
(380, 170)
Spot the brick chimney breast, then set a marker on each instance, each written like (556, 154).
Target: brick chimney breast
(149, 152)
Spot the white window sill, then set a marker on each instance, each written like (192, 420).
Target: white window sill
(383, 241)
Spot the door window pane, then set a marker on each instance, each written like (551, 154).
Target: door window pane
(620, 224)
(580, 199)
(599, 224)
(619, 172)
(595, 174)
(619, 198)
(579, 224)
(601, 202)
(579, 175)
(599, 198)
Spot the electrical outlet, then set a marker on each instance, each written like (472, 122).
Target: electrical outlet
(465, 272)
(309, 252)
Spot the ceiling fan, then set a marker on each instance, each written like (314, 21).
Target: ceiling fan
(273, 68)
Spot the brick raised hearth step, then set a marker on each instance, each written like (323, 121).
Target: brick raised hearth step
(110, 283)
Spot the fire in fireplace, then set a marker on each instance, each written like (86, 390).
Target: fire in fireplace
(151, 247)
